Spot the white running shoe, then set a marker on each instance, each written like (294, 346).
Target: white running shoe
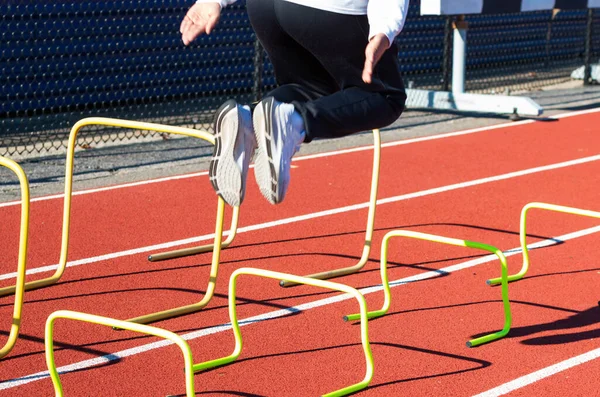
(279, 132)
(234, 148)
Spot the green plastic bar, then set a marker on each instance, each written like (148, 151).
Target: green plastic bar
(110, 322)
(203, 248)
(370, 222)
(523, 233)
(299, 280)
(19, 287)
(450, 241)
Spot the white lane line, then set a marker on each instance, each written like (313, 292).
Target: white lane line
(314, 215)
(309, 157)
(283, 312)
(107, 188)
(541, 374)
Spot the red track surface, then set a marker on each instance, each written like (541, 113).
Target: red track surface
(419, 347)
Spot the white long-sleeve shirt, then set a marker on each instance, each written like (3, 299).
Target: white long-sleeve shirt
(385, 16)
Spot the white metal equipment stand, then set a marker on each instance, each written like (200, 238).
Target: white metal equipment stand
(458, 100)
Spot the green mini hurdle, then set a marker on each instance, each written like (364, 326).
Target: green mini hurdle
(449, 241)
(19, 287)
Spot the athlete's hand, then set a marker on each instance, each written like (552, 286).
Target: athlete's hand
(201, 18)
(375, 49)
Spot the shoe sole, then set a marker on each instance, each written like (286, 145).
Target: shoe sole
(266, 175)
(225, 175)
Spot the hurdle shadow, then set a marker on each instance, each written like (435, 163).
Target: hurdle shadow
(585, 318)
(575, 319)
(461, 114)
(391, 264)
(425, 309)
(526, 278)
(479, 364)
(154, 289)
(390, 228)
(60, 346)
(84, 348)
(223, 392)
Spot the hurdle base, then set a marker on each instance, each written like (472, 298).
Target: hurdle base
(497, 281)
(487, 338)
(163, 256)
(515, 106)
(579, 73)
(327, 275)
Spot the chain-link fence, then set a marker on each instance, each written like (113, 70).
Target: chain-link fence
(594, 34)
(66, 60)
(525, 51)
(63, 61)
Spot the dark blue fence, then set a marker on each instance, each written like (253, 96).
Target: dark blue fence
(65, 60)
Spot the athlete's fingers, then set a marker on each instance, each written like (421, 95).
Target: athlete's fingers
(373, 53)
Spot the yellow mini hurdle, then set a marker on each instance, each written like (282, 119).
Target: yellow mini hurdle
(324, 275)
(120, 324)
(191, 368)
(19, 287)
(449, 241)
(297, 280)
(523, 232)
(218, 242)
(370, 222)
(67, 215)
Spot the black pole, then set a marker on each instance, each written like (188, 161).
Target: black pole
(446, 62)
(555, 11)
(587, 74)
(259, 59)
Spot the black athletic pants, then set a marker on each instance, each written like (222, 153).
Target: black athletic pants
(318, 57)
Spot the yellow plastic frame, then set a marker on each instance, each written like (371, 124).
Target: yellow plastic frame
(370, 221)
(67, 215)
(218, 243)
(449, 241)
(324, 275)
(523, 232)
(19, 287)
(191, 368)
(298, 280)
(120, 324)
